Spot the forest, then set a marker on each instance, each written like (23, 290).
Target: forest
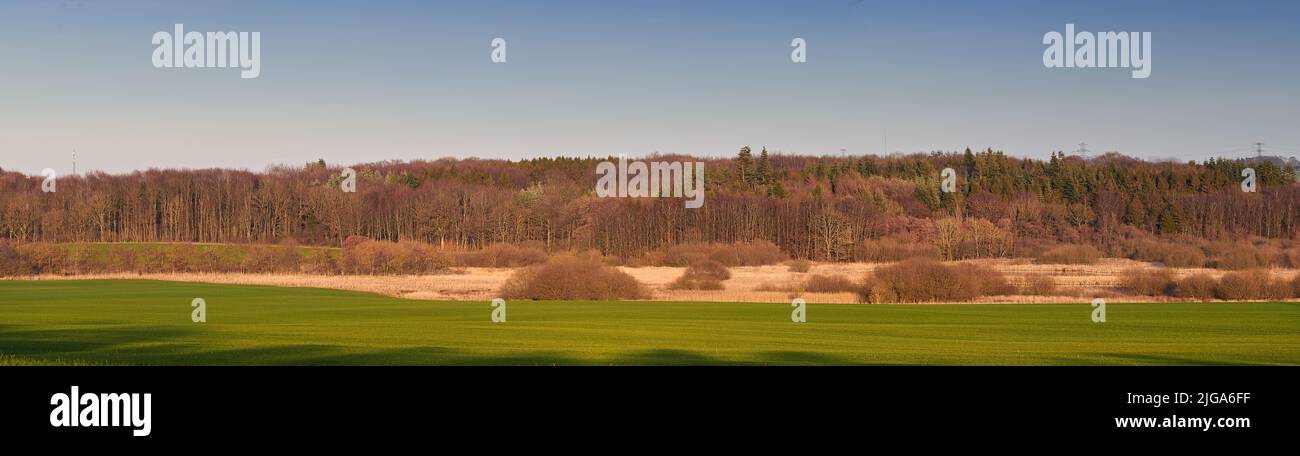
(818, 208)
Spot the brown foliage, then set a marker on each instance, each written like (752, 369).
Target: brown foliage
(11, 262)
(818, 283)
(1170, 254)
(1038, 285)
(799, 265)
(891, 250)
(702, 275)
(572, 278)
(1147, 282)
(1196, 286)
(758, 253)
(502, 256)
(1252, 284)
(926, 280)
(382, 257)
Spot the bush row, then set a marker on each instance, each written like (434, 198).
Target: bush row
(927, 280)
(1235, 285)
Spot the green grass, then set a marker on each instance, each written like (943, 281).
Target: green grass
(148, 322)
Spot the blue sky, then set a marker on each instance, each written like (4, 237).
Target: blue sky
(364, 81)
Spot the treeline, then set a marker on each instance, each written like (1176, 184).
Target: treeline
(823, 208)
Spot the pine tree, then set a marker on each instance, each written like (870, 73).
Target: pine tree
(745, 165)
(764, 171)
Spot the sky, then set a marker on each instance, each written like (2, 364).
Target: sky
(354, 82)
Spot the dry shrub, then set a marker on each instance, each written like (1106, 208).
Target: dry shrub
(353, 241)
(829, 284)
(1070, 254)
(383, 257)
(891, 250)
(702, 275)
(1289, 257)
(682, 255)
(1238, 256)
(502, 256)
(319, 261)
(757, 253)
(570, 278)
(43, 258)
(121, 258)
(1038, 285)
(1195, 286)
(927, 280)
(1147, 282)
(282, 258)
(1252, 284)
(799, 266)
(1295, 286)
(1169, 254)
(11, 262)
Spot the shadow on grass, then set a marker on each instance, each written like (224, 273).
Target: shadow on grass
(1169, 360)
(17, 340)
(800, 357)
(339, 355)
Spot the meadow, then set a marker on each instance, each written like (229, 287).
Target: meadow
(142, 322)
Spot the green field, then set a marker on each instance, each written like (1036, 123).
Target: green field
(148, 322)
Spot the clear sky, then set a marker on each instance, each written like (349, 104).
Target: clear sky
(365, 81)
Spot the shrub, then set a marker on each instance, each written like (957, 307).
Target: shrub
(281, 258)
(1147, 282)
(382, 257)
(799, 266)
(829, 284)
(683, 255)
(1195, 286)
(757, 253)
(353, 241)
(568, 277)
(986, 281)
(502, 256)
(891, 250)
(1252, 284)
(1038, 285)
(11, 262)
(702, 275)
(319, 261)
(1169, 254)
(43, 258)
(1070, 254)
(1236, 260)
(1289, 257)
(927, 280)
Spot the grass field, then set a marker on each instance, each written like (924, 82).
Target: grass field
(148, 322)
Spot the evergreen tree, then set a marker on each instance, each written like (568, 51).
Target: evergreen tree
(764, 171)
(745, 165)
